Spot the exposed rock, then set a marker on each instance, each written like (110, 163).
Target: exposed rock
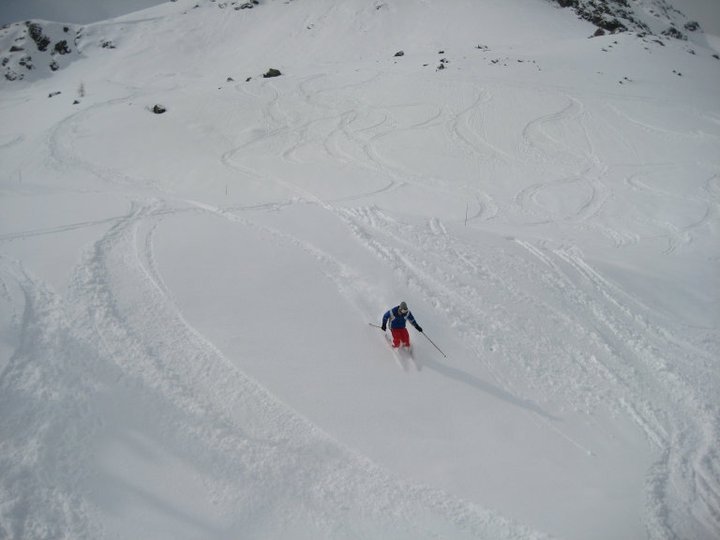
(159, 109)
(400, 53)
(674, 33)
(61, 47)
(36, 49)
(272, 72)
(36, 34)
(646, 18)
(605, 14)
(26, 62)
(245, 5)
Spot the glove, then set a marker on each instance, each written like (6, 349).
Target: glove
(418, 328)
(383, 327)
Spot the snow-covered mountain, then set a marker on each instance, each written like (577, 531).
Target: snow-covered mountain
(191, 251)
(32, 47)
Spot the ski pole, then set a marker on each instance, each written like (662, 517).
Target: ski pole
(376, 325)
(431, 341)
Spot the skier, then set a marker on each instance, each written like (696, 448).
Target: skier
(397, 317)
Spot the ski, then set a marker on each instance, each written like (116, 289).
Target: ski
(404, 356)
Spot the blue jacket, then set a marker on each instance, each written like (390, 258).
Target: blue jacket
(397, 320)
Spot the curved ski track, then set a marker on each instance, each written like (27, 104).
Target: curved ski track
(118, 309)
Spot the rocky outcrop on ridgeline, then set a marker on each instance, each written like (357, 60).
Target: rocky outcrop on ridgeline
(237, 6)
(648, 18)
(34, 49)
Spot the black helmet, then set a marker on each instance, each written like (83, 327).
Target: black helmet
(402, 308)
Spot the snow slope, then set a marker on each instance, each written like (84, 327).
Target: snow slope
(185, 298)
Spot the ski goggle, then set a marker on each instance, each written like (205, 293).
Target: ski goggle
(403, 311)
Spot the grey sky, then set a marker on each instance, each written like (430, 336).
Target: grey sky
(69, 11)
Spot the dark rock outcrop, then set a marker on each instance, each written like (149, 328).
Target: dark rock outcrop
(613, 16)
(61, 47)
(37, 35)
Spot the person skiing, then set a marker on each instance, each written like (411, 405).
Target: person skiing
(397, 317)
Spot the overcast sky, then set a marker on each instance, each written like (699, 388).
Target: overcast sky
(69, 11)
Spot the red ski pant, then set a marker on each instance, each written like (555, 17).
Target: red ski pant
(400, 336)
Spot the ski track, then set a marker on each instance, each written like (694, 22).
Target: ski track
(45, 396)
(670, 134)
(640, 374)
(676, 235)
(462, 130)
(6, 142)
(119, 324)
(585, 167)
(64, 158)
